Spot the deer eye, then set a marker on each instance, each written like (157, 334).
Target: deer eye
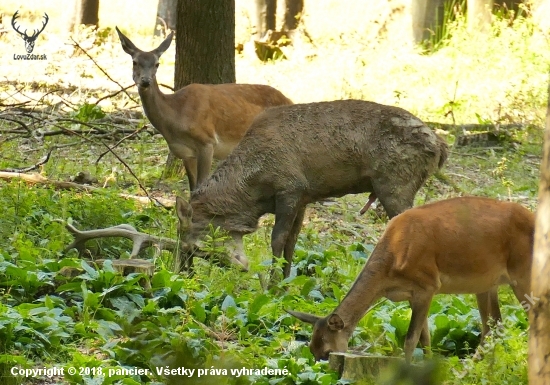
(134, 63)
(157, 65)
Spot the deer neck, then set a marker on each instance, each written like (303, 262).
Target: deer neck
(223, 200)
(365, 291)
(156, 108)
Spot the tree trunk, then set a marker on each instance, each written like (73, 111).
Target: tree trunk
(205, 42)
(539, 337)
(293, 13)
(205, 49)
(427, 19)
(166, 17)
(85, 12)
(479, 15)
(266, 15)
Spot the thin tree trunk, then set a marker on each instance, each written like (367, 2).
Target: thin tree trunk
(479, 15)
(85, 12)
(293, 13)
(166, 17)
(266, 13)
(539, 338)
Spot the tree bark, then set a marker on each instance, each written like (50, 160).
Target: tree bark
(166, 17)
(479, 15)
(293, 13)
(539, 337)
(205, 49)
(266, 15)
(85, 12)
(205, 42)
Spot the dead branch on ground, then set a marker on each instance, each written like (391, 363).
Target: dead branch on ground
(40, 179)
(41, 162)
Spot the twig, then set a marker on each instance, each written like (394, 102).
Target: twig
(40, 179)
(164, 85)
(113, 94)
(15, 104)
(102, 70)
(459, 175)
(42, 161)
(29, 131)
(90, 125)
(116, 145)
(473, 155)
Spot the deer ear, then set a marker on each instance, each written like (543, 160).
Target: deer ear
(305, 317)
(127, 45)
(183, 209)
(164, 45)
(335, 323)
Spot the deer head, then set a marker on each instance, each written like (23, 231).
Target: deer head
(329, 334)
(145, 64)
(191, 234)
(29, 40)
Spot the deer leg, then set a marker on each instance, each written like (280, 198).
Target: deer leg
(487, 303)
(286, 211)
(424, 336)
(291, 241)
(204, 163)
(190, 164)
(420, 305)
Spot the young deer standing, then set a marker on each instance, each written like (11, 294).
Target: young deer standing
(459, 245)
(201, 121)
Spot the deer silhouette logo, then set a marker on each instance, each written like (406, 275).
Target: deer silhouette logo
(29, 40)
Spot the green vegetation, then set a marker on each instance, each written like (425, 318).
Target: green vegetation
(223, 319)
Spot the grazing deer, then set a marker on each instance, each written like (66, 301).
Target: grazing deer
(298, 154)
(459, 245)
(200, 121)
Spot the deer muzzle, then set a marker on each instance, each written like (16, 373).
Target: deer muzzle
(144, 82)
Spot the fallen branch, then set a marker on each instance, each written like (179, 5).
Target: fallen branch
(14, 104)
(40, 179)
(42, 161)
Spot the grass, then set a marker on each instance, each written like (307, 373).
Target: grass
(222, 318)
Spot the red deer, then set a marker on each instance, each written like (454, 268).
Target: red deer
(298, 154)
(200, 121)
(459, 245)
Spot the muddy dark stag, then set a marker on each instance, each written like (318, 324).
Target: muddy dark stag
(29, 40)
(295, 155)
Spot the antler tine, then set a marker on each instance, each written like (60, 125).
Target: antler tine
(13, 19)
(139, 240)
(38, 32)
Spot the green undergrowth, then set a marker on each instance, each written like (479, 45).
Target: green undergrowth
(217, 320)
